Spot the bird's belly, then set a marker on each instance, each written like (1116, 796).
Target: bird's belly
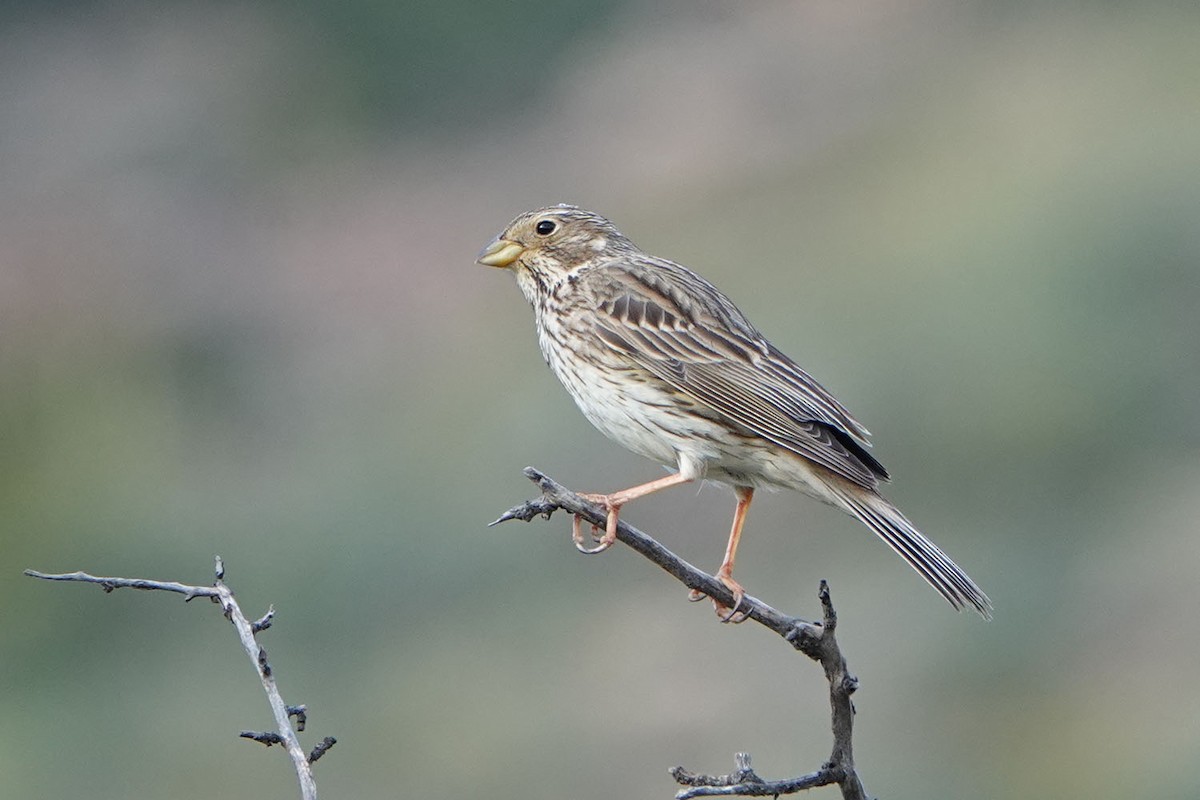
(637, 410)
(761, 464)
(712, 449)
(645, 415)
(640, 418)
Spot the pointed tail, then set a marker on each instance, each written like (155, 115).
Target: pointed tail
(921, 554)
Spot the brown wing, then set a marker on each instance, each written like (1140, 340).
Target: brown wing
(674, 324)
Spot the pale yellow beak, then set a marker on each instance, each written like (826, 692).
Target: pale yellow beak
(500, 253)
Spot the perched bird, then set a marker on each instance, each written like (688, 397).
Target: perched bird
(663, 363)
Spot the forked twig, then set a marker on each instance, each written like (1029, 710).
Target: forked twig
(221, 594)
(816, 640)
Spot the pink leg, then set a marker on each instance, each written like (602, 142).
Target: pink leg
(613, 503)
(725, 573)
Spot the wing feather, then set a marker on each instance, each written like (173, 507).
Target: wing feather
(710, 352)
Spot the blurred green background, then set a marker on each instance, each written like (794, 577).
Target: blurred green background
(239, 315)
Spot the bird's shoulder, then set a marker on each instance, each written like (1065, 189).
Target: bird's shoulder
(657, 296)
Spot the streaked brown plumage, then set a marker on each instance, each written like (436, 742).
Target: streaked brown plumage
(662, 362)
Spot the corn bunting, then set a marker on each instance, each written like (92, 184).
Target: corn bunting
(663, 363)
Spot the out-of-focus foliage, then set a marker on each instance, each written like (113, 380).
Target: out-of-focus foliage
(436, 67)
(239, 315)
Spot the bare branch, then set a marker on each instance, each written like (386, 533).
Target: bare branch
(109, 584)
(815, 639)
(744, 782)
(246, 630)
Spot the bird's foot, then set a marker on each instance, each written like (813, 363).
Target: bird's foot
(603, 540)
(726, 613)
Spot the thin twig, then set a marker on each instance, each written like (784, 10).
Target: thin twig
(744, 782)
(262, 737)
(110, 584)
(222, 594)
(815, 639)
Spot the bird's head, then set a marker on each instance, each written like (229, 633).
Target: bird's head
(550, 243)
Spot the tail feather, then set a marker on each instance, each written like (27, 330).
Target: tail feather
(921, 554)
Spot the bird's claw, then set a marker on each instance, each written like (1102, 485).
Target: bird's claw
(603, 540)
(733, 614)
(577, 536)
(726, 613)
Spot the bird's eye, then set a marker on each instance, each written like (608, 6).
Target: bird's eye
(545, 227)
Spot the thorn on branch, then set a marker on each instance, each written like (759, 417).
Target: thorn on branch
(262, 623)
(263, 665)
(321, 749)
(300, 712)
(538, 506)
(262, 737)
